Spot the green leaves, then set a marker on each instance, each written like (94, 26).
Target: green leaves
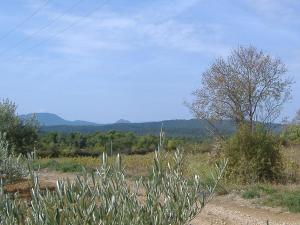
(106, 197)
(11, 168)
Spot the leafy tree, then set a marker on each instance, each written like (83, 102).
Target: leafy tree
(21, 135)
(248, 86)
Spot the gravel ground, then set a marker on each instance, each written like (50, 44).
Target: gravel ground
(232, 210)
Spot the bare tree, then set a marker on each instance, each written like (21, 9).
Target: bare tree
(247, 86)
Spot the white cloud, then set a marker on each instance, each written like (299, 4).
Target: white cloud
(155, 26)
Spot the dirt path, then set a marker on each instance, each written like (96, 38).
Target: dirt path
(232, 210)
(224, 210)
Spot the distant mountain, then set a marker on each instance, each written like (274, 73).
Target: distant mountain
(123, 121)
(50, 119)
(174, 128)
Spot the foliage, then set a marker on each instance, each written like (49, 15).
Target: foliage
(105, 198)
(21, 135)
(76, 144)
(288, 199)
(247, 86)
(291, 134)
(253, 156)
(250, 194)
(11, 168)
(258, 190)
(272, 195)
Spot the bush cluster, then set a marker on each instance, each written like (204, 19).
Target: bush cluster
(291, 135)
(21, 134)
(253, 156)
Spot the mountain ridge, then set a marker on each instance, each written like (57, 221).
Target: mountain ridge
(177, 128)
(51, 119)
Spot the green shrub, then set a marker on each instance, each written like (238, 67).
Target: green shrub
(21, 134)
(291, 135)
(253, 156)
(291, 168)
(250, 194)
(104, 197)
(11, 168)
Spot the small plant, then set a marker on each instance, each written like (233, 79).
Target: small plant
(250, 194)
(258, 190)
(104, 197)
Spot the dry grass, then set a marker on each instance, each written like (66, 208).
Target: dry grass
(135, 165)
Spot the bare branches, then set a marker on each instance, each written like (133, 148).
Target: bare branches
(247, 86)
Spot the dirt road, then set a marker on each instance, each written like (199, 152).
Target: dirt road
(232, 210)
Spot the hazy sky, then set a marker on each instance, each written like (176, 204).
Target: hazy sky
(132, 59)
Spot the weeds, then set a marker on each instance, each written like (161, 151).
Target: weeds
(287, 199)
(274, 196)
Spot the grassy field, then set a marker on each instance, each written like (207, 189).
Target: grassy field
(135, 165)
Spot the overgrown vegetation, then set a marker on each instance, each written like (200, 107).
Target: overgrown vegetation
(254, 156)
(21, 135)
(274, 196)
(291, 135)
(12, 168)
(77, 144)
(104, 197)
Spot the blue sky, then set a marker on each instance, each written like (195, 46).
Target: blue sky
(137, 60)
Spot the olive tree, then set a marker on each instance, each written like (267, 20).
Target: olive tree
(247, 86)
(21, 135)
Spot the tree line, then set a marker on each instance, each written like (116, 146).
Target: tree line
(77, 144)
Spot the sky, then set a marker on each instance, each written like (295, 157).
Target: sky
(140, 60)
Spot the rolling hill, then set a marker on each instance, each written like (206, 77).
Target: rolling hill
(50, 119)
(176, 128)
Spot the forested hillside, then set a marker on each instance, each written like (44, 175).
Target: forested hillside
(173, 128)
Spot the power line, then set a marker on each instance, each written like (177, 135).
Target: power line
(24, 21)
(66, 28)
(41, 29)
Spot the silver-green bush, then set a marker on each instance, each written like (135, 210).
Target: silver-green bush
(105, 197)
(11, 168)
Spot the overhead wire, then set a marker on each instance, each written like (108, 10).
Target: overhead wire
(12, 30)
(66, 28)
(50, 23)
